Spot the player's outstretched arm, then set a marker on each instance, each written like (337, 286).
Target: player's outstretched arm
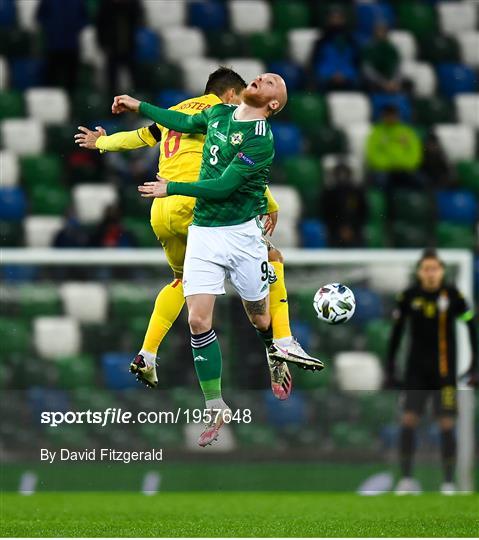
(116, 142)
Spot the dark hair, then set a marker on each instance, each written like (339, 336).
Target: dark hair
(430, 253)
(222, 80)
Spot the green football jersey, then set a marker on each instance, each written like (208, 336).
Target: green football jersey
(246, 146)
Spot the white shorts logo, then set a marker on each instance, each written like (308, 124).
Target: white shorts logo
(200, 359)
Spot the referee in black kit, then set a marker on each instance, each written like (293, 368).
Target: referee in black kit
(431, 308)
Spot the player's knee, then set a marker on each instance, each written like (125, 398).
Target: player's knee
(409, 419)
(446, 423)
(261, 322)
(275, 255)
(199, 323)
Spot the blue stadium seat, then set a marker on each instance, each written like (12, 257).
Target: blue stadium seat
(368, 305)
(287, 139)
(170, 97)
(456, 79)
(12, 204)
(457, 206)
(115, 368)
(47, 399)
(368, 15)
(147, 45)
(302, 332)
(401, 101)
(291, 72)
(292, 412)
(207, 14)
(18, 274)
(26, 72)
(313, 234)
(7, 13)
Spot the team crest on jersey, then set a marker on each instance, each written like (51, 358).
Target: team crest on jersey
(236, 138)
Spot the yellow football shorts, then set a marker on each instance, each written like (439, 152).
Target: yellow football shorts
(170, 219)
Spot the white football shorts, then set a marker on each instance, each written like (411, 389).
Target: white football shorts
(235, 252)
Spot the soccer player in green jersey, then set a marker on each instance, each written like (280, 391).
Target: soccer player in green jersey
(225, 238)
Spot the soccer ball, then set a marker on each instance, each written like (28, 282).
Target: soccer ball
(334, 303)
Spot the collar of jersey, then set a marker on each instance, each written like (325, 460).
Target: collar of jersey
(252, 120)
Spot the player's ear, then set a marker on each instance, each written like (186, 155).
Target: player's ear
(274, 106)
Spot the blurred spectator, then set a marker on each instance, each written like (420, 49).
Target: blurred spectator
(381, 63)
(116, 24)
(344, 209)
(335, 55)
(62, 23)
(435, 168)
(393, 151)
(72, 234)
(110, 231)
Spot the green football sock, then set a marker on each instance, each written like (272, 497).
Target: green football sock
(266, 337)
(208, 362)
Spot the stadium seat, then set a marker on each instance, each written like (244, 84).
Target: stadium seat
(12, 203)
(26, 14)
(301, 42)
(147, 45)
(418, 17)
(129, 302)
(48, 200)
(292, 412)
(408, 235)
(305, 174)
(356, 136)
(248, 16)
(141, 230)
(161, 14)
(348, 108)
(15, 336)
(75, 372)
(291, 72)
(400, 101)
(116, 374)
(9, 168)
(11, 234)
(36, 299)
(308, 110)
(90, 51)
(358, 371)
(451, 235)
(48, 105)
(286, 233)
(412, 206)
(4, 79)
(287, 139)
(16, 43)
(368, 305)
(12, 103)
(151, 77)
(457, 206)
(457, 17)
(439, 48)
(370, 14)
(248, 68)
(46, 170)
(168, 98)
(182, 42)
(405, 43)
(210, 15)
(26, 73)
(468, 174)
(225, 44)
(8, 13)
(458, 140)
(432, 110)
(24, 137)
(86, 302)
(456, 79)
(267, 46)
(194, 70)
(467, 107)
(325, 140)
(330, 161)
(291, 14)
(421, 75)
(40, 231)
(56, 337)
(313, 234)
(92, 200)
(469, 47)
(375, 234)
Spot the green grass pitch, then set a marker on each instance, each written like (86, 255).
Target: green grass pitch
(275, 514)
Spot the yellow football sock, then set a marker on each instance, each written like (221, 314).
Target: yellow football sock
(278, 304)
(168, 305)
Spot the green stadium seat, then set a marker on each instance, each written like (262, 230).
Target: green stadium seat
(164, 435)
(11, 234)
(305, 380)
(137, 326)
(439, 48)
(47, 200)
(13, 104)
(127, 301)
(142, 231)
(413, 206)
(46, 170)
(225, 45)
(468, 174)
(60, 138)
(346, 435)
(301, 305)
(253, 435)
(377, 337)
(291, 14)
(433, 110)
(39, 300)
(134, 206)
(326, 140)
(93, 398)
(157, 76)
(417, 17)
(377, 205)
(411, 235)
(308, 110)
(75, 372)
(375, 235)
(15, 42)
(306, 175)
(36, 372)
(267, 46)
(15, 336)
(186, 399)
(73, 437)
(90, 106)
(450, 235)
(100, 338)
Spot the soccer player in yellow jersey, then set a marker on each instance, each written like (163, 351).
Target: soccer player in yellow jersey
(180, 159)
